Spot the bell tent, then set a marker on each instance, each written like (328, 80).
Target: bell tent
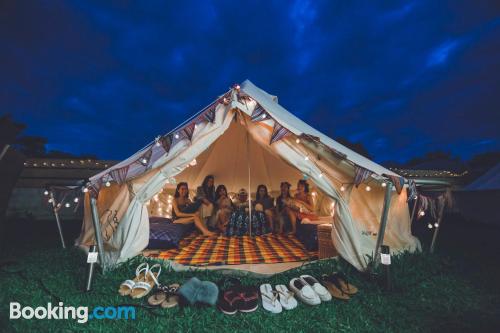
(245, 138)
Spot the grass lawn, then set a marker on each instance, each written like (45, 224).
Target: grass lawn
(456, 289)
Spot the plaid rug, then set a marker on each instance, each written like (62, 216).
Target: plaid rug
(198, 250)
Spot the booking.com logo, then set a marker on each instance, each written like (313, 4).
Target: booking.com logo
(81, 313)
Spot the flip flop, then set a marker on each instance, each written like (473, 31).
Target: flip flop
(270, 299)
(345, 286)
(127, 285)
(157, 298)
(143, 287)
(334, 288)
(288, 302)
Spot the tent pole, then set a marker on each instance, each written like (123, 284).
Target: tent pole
(249, 190)
(383, 223)
(97, 231)
(413, 211)
(58, 220)
(436, 231)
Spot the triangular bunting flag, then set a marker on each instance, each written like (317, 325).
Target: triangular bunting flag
(210, 113)
(145, 159)
(189, 130)
(361, 175)
(412, 190)
(166, 142)
(398, 182)
(119, 175)
(279, 132)
(259, 114)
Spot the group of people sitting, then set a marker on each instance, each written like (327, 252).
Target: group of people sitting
(212, 207)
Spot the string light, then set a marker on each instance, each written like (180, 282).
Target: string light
(342, 188)
(144, 161)
(67, 205)
(46, 192)
(75, 200)
(436, 224)
(51, 200)
(297, 141)
(176, 135)
(306, 158)
(368, 188)
(429, 226)
(264, 116)
(108, 183)
(421, 213)
(384, 184)
(237, 87)
(321, 175)
(193, 162)
(85, 190)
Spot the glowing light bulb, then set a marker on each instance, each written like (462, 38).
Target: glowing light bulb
(342, 188)
(46, 192)
(51, 201)
(297, 141)
(193, 162)
(144, 161)
(321, 175)
(264, 116)
(67, 205)
(384, 184)
(429, 226)
(176, 135)
(306, 158)
(313, 194)
(368, 188)
(108, 183)
(237, 87)
(436, 224)
(85, 190)
(421, 213)
(75, 200)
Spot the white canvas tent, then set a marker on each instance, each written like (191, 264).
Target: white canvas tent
(237, 151)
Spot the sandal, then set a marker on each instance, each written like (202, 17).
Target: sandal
(229, 297)
(165, 296)
(345, 286)
(288, 302)
(270, 299)
(143, 287)
(127, 285)
(334, 288)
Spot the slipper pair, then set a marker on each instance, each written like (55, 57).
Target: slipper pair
(236, 297)
(145, 279)
(339, 286)
(166, 296)
(309, 290)
(276, 300)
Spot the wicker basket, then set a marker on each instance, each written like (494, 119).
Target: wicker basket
(325, 244)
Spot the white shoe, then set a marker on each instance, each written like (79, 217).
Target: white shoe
(318, 288)
(304, 291)
(270, 299)
(288, 302)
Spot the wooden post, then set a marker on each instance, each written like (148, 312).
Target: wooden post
(383, 223)
(436, 231)
(58, 221)
(97, 231)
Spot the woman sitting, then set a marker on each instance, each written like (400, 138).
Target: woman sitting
(282, 205)
(206, 193)
(185, 211)
(224, 208)
(264, 202)
(239, 220)
(300, 206)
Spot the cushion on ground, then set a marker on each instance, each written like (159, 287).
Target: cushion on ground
(163, 234)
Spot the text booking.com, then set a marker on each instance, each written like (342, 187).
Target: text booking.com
(81, 314)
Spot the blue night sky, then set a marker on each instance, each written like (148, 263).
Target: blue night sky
(403, 78)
